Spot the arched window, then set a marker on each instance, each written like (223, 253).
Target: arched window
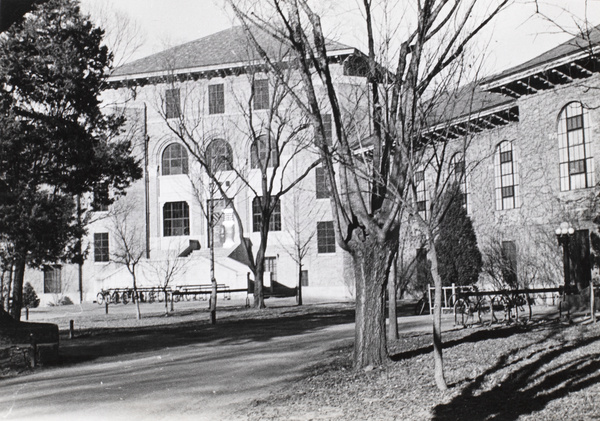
(262, 150)
(219, 156)
(507, 183)
(574, 149)
(176, 219)
(174, 160)
(459, 176)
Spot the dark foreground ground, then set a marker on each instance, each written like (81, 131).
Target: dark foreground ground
(540, 370)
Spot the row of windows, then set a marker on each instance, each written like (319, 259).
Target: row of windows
(216, 98)
(219, 154)
(576, 165)
(176, 222)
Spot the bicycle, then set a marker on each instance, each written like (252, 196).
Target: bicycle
(422, 306)
(465, 309)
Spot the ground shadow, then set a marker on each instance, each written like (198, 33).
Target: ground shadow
(527, 389)
(106, 342)
(474, 337)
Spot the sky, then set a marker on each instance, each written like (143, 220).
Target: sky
(514, 37)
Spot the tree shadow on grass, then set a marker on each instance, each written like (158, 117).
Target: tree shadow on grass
(109, 342)
(528, 388)
(476, 336)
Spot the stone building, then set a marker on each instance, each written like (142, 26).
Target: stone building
(530, 165)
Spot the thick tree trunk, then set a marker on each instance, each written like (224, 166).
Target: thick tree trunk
(439, 377)
(259, 295)
(371, 267)
(392, 297)
(17, 288)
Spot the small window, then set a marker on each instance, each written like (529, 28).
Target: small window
(219, 156)
(101, 250)
(325, 237)
(261, 94)
(101, 199)
(172, 103)
(176, 219)
(304, 278)
(274, 222)
(174, 160)
(52, 280)
(322, 183)
(263, 149)
(216, 99)
(328, 127)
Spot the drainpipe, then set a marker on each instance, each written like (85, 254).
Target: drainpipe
(146, 181)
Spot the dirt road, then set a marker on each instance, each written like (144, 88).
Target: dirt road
(188, 372)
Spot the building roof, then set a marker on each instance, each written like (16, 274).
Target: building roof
(223, 50)
(573, 59)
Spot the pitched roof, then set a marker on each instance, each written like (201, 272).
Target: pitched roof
(575, 48)
(227, 48)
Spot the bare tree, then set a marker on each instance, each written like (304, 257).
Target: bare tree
(129, 244)
(301, 229)
(368, 195)
(122, 33)
(166, 270)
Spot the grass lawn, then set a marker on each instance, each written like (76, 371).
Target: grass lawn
(542, 370)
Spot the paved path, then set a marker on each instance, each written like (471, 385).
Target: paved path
(205, 380)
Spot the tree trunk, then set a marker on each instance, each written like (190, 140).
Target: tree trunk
(259, 295)
(166, 294)
(138, 314)
(213, 301)
(392, 297)
(17, 288)
(299, 293)
(440, 380)
(372, 262)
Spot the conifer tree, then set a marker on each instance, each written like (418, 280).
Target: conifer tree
(30, 298)
(459, 257)
(55, 142)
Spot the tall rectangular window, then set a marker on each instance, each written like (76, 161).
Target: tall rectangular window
(176, 219)
(274, 222)
(172, 103)
(260, 90)
(101, 250)
(506, 177)
(271, 266)
(325, 237)
(52, 280)
(509, 266)
(216, 99)
(421, 193)
(574, 148)
(101, 199)
(322, 183)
